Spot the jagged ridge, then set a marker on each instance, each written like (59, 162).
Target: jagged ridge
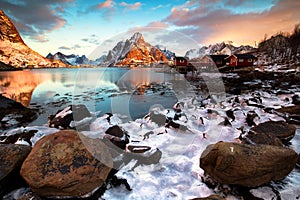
(134, 51)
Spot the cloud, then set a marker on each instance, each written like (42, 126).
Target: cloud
(92, 39)
(45, 18)
(106, 4)
(208, 25)
(76, 46)
(134, 6)
(106, 9)
(64, 48)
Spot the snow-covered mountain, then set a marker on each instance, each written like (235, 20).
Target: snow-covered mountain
(169, 54)
(226, 48)
(75, 60)
(15, 52)
(134, 51)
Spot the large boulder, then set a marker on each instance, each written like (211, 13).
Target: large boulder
(11, 159)
(247, 165)
(66, 164)
(262, 138)
(72, 117)
(285, 132)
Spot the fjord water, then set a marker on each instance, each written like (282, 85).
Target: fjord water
(100, 89)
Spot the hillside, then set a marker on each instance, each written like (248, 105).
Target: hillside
(13, 50)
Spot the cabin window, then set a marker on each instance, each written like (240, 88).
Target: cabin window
(241, 60)
(249, 59)
(181, 61)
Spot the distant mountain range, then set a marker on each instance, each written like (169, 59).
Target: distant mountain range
(136, 51)
(13, 50)
(225, 48)
(75, 60)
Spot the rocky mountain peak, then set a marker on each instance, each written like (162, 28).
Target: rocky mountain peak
(8, 31)
(137, 38)
(134, 52)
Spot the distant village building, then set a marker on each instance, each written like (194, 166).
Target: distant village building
(240, 60)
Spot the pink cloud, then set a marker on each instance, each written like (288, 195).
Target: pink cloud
(210, 26)
(106, 4)
(134, 6)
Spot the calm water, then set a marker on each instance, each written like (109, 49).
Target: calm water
(100, 89)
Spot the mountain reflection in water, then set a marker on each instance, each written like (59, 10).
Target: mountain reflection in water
(100, 89)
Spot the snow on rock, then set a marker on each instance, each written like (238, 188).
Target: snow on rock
(177, 175)
(226, 48)
(134, 51)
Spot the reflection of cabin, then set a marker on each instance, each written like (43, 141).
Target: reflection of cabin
(240, 60)
(182, 65)
(214, 60)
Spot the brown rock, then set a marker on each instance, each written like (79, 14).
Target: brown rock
(262, 138)
(11, 159)
(117, 136)
(211, 197)
(282, 130)
(291, 114)
(247, 165)
(66, 163)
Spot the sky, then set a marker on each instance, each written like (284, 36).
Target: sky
(93, 27)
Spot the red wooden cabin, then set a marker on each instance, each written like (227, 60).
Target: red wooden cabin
(240, 60)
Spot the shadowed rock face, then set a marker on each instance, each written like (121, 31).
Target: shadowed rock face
(60, 165)
(11, 158)
(14, 111)
(247, 165)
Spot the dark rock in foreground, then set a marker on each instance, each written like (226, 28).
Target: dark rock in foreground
(262, 138)
(145, 155)
(247, 165)
(117, 136)
(211, 197)
(71, 118)
(282, 130)
(11, 159)
(14, 114)
(22, 135)
(60, 165)
(291, 114)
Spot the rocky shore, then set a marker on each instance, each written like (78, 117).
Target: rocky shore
(243, 147)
